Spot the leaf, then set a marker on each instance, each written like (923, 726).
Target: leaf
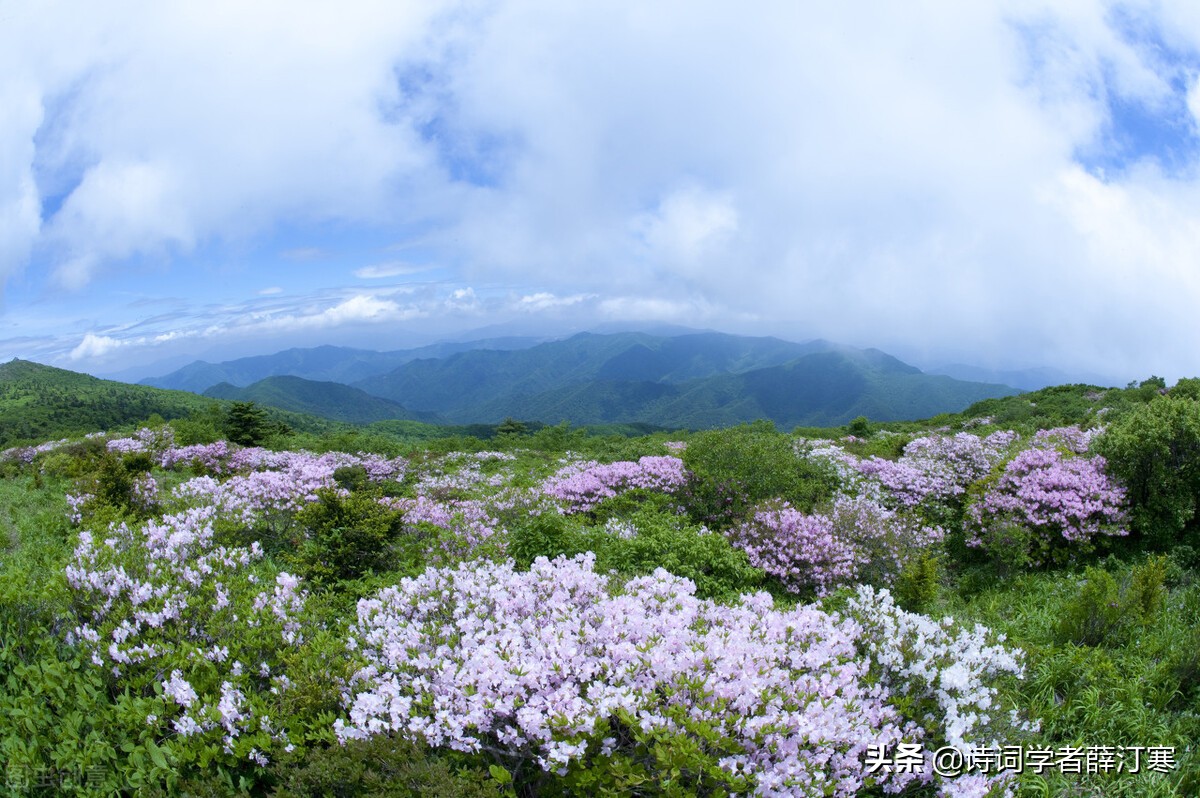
(501, 775)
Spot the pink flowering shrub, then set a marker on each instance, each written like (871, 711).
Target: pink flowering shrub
(858, 539)
(1045, 503)
(467, 524)
(549, 670)
(144, 440)
(939, 468)
(579, 487)
(165, 595)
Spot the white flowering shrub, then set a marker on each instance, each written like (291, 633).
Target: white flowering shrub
(551, 669)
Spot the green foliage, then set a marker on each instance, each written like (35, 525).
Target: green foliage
(919, 582)
(670, 764)
(381, 767)
(511, 427)
(246, 424)
(1154, 449)
(1056, 406)
(347, 538)
(65, 730)
(1186, 388)
(733, 470)
(859, 427)
(544, 535)
(1140, 686)
(203, 425)
(1105, 611)
(657, 540)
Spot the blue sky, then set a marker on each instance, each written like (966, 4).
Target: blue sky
(1007, 184)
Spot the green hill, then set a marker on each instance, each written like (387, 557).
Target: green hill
(39, 402)
(326, 399)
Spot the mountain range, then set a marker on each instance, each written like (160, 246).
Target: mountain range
(689, 380)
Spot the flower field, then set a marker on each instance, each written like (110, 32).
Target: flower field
(737, 612)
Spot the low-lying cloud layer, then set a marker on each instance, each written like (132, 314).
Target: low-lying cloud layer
(997, 182)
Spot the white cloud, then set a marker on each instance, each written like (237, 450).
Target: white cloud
(688, 225)
(95, 347)
(544, 300)
(359, 309)
(390, 269)
(206, 122)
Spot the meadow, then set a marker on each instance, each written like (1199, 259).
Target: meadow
(998, 602)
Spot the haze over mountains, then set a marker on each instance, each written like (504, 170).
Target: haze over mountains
(692, 380)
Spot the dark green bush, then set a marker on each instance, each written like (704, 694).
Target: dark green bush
(719, 570)
(735, 469)
(345, 538)
(546, 535)
(919, 582)
(1105, 611)
(381, 766)
(1154, 450)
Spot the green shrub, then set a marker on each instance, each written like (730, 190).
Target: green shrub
(1154, 449)
(735, 469)
(719, 570)
(345, 538)
(1105, 611)
(381, 766)
(919, 582)
(545, 535)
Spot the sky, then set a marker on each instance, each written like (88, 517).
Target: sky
(1007, 184)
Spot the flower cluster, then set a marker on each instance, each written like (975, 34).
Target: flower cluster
(859, 539)
(948, 674)
(938, 468)
(1058, 497)
(144, 440)
(221, 458)
(545, 665)
(25, 454)
(167, 592)
(583, 485)
(469, 521)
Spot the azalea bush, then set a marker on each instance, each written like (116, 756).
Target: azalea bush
(549, 671)
(856, 540)
(935, 471)
(1046, 504)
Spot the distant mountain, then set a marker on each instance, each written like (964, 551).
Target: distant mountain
(699, 380)
(1030, 379)
(327, 399)
(464, 380)
(39, 403)
(321, 363)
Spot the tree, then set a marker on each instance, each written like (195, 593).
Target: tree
(1154, 449)
(246, 424)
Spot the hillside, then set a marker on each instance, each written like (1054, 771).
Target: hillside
(326, 399)
(39, 402)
